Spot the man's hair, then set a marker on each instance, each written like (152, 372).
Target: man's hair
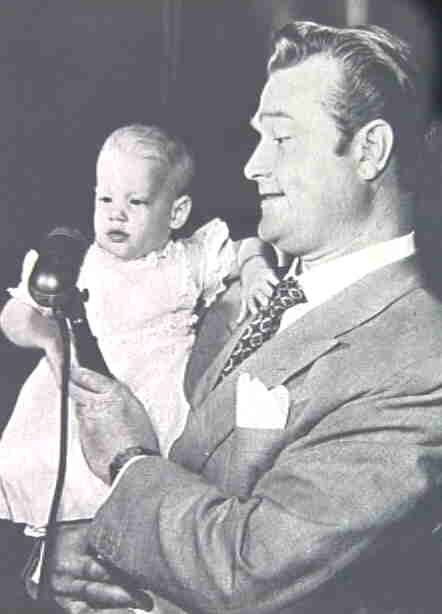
(380, 80)
(153, 142)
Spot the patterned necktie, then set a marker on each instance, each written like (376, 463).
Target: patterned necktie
(265, 323)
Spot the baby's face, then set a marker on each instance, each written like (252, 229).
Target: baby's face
(132, 204)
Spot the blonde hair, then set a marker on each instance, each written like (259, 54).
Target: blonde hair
(153, 142)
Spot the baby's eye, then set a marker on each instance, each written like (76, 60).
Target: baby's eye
(104, 199)
(138, 201)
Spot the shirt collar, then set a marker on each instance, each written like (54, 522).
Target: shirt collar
(325, 280)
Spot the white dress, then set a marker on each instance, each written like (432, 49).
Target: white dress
(143, 315)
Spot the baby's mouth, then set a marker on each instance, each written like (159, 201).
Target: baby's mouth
(117, 236)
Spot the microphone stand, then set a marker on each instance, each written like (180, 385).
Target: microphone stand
(72, 311)
(44, 589)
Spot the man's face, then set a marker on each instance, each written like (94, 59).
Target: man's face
(313, 203)
(132, 204)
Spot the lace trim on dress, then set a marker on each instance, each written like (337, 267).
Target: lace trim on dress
(188, 289)
(213, 255)
(151, 259)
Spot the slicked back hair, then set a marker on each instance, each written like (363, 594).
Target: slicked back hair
(380, 80)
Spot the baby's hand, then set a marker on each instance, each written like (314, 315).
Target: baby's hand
(45, 325)
(257, 285)
(21, 292)
(29, 262)
(258, 407)
(42, 328)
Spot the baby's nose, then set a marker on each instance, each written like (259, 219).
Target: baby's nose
(118, 212)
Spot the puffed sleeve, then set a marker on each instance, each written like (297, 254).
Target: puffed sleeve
(212, 257)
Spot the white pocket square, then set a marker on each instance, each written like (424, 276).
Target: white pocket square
(258, 407)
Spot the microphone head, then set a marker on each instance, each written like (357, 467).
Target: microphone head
(55, 273)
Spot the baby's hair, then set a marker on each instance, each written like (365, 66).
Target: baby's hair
(154, 142)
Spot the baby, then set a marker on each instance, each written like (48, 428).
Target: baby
(144, 288)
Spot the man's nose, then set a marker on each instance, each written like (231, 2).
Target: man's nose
(260, 163)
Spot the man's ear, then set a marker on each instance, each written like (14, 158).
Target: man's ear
(374, 144)
(180, 211)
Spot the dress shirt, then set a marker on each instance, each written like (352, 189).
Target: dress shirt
(322, 281)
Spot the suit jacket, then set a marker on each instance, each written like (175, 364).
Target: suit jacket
(342, 515)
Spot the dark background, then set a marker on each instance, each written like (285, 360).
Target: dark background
(71, 71)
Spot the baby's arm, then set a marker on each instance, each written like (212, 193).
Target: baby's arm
(256, 263)
(25, 325)
(215, 257)
(253, 250)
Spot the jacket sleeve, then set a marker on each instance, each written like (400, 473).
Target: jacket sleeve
(334, 496)
(254, 451)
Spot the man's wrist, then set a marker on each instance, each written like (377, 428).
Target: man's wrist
(123, 457)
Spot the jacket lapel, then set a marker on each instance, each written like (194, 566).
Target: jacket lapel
(289, 352)
(208, 379)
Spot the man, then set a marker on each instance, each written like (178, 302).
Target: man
(344, 514)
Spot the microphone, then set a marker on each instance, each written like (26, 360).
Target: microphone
(52, 283)
(53, 279)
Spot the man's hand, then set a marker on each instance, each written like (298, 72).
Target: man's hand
(81, 584)
(111, 419)
(257, 285)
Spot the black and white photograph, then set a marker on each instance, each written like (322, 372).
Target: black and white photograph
(221, 307)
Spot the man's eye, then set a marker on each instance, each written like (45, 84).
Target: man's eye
(281, 139)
